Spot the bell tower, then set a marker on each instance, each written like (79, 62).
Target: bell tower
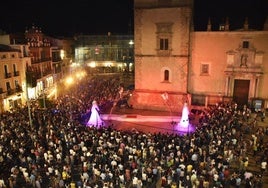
(162, 49)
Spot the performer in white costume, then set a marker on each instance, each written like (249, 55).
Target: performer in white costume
(185, 116)
(95, 119)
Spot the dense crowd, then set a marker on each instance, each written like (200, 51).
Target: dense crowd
(57, 150)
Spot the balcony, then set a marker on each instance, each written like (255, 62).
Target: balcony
(18, 89)
(8, 75)
(16, 73)
(3, 95)
(47, 72)
(39, 60)
(55, 60)
(10, 91)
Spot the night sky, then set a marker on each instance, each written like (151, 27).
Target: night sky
(236, 10)
(65, 18)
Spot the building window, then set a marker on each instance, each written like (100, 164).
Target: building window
(16, 83)
(163, 37)
(6, 69)
(163, 44)
(8, 86)
(14, 68)
(43, 55)
(245, 44)
(204, 69)
(166, 75)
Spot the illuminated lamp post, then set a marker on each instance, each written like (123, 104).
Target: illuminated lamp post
(130, 53)
(43, 89)
(28, 79)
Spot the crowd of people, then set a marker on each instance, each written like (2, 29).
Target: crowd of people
(58, 150)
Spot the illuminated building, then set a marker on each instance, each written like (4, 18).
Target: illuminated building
(32, 64)
(201, 67)
(105, 53)
(13, 61)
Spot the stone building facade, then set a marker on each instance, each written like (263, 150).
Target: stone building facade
(229, 65)
(161, 34)
(175, 64)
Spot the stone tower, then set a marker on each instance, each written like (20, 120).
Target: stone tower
(162, 50)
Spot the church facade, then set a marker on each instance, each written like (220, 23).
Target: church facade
(175, 64)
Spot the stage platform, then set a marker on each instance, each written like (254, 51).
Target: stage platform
(148, 121)
(139, 118)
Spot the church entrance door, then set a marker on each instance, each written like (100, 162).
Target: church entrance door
(241, 90)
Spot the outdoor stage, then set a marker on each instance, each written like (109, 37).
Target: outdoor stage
(147, 123)
(140, 118)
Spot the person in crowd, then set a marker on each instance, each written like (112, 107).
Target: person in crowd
(57, 150)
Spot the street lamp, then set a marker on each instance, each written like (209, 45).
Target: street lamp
(131, 42)
(43, 91)
(28, 100)
(130, 54)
